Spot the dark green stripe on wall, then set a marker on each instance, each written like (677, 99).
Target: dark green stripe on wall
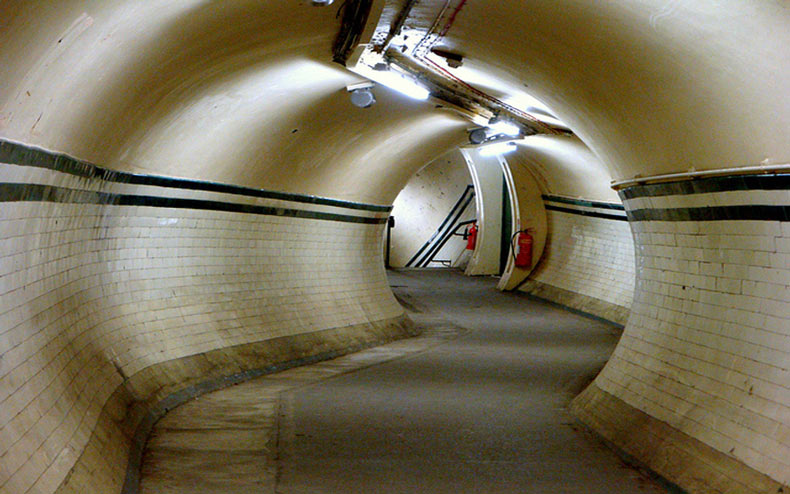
(584, 212)
(746, 212)
(583, 202)
(719, 213)
(709, 185)
(19, 154)
(11, 192)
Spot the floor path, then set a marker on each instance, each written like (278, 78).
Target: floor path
(478, 404)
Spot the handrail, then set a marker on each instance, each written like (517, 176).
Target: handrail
(447, 219)
(444, 240)
(672, 177)
(444, 236)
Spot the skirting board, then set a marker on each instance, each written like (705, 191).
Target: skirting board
(674, 456)
(576, 301)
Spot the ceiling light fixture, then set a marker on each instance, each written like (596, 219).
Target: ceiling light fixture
(501, 126)
(363, 98)
(478, 136)
(383, 74)
(362, 94)
(409, 87)
(497, 148)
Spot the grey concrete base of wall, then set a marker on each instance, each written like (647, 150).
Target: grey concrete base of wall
(110, 462)
(676, 457)
(589, 305)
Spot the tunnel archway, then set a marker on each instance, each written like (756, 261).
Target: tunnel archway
(243, 93)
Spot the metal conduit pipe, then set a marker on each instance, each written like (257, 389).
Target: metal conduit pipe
(396, 28)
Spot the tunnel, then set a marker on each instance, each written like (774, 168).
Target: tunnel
(197, 194)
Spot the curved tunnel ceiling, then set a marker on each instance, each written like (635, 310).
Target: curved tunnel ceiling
(653, 87)
(565, 166)
(245, 91)
(241, 92)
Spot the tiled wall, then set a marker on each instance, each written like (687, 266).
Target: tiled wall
(103, 276)
(588, 263)
(707, 347)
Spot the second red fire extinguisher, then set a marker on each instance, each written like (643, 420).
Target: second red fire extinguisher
(471, 239)
(521, 242)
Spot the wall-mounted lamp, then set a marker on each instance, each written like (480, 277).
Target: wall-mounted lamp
(478, 136)
(321, 3)
(362, 94)
(363, 98)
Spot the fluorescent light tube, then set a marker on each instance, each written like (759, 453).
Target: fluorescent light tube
(497, 148)
(505, 127)
(404, 85)
(392, 79)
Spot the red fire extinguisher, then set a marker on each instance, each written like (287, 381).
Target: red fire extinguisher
(522, 248)
(471, 239)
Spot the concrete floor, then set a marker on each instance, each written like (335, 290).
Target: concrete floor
(477, 404)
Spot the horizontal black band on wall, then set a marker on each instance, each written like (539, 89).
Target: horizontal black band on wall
(585, 203)
(12, 192)
(582, 212)
(718, 213)
(708, 185)
(19, 154)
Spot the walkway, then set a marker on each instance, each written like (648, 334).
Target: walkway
(477, 405)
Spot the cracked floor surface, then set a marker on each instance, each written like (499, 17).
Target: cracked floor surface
(478, 403)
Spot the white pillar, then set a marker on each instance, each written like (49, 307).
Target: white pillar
(488, 181)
